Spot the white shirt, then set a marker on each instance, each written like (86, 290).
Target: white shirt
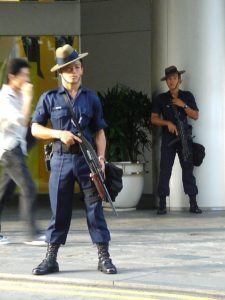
(12, 133)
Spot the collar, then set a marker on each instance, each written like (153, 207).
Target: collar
(6, 89)
(180, 92)
(62, 89)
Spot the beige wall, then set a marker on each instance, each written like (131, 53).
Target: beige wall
(33, 18)
(117, 35)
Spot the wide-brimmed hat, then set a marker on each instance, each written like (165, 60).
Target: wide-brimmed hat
(171, 70)
(66, 55)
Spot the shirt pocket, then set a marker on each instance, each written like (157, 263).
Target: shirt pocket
(85, 118)
(60, 117)
(167, 111)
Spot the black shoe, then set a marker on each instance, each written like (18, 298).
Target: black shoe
(162, 211)
(46, 267)
(162, 206)
(195, 210)
(105, 264)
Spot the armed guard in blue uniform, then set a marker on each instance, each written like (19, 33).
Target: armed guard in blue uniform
(67, 163)
(163, 115)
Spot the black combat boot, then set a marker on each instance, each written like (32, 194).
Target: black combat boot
(162, 206)
(194, 206)
(49, 264)
(105, 264)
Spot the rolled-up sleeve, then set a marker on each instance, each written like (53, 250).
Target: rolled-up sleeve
(191, 101)
(98, 121)
(41, 113)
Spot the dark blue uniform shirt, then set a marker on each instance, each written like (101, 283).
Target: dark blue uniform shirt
(162, 106)
(86, 105)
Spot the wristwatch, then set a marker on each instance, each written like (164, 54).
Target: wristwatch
(185, 106)
(101, 158)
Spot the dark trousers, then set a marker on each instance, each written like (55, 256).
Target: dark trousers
(15, 168)
(65, 169)
(9, 185)
(166, 164)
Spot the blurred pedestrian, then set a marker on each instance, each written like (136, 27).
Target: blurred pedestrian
(15, 106)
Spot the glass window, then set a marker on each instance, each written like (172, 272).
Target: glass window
(40, 52)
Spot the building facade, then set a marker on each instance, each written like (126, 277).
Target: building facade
(131, 42)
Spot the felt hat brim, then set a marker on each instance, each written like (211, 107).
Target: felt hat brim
(176, 72)
(58, 67)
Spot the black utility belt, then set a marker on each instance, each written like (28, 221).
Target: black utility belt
(63, 148)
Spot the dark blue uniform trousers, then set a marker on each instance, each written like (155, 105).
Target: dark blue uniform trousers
(166, 164)
(65, 169)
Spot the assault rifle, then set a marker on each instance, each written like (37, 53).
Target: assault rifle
(183, 135)
(92, 161)
(95, 168)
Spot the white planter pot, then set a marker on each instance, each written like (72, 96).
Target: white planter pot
(133, 183)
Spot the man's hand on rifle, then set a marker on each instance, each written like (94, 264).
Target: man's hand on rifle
(101, 160)
(68, 137)
(178, 102)
(172, 127)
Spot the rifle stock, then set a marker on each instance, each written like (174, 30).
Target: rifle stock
(95, 168)
(98, 186)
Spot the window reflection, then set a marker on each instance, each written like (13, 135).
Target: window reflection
(40, 52)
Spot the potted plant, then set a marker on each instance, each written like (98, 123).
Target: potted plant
(127, 114)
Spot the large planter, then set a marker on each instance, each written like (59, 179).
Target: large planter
(133, 183)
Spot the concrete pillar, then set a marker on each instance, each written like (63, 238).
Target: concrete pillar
(190, 34)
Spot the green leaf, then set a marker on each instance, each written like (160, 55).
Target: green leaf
(127, 113)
